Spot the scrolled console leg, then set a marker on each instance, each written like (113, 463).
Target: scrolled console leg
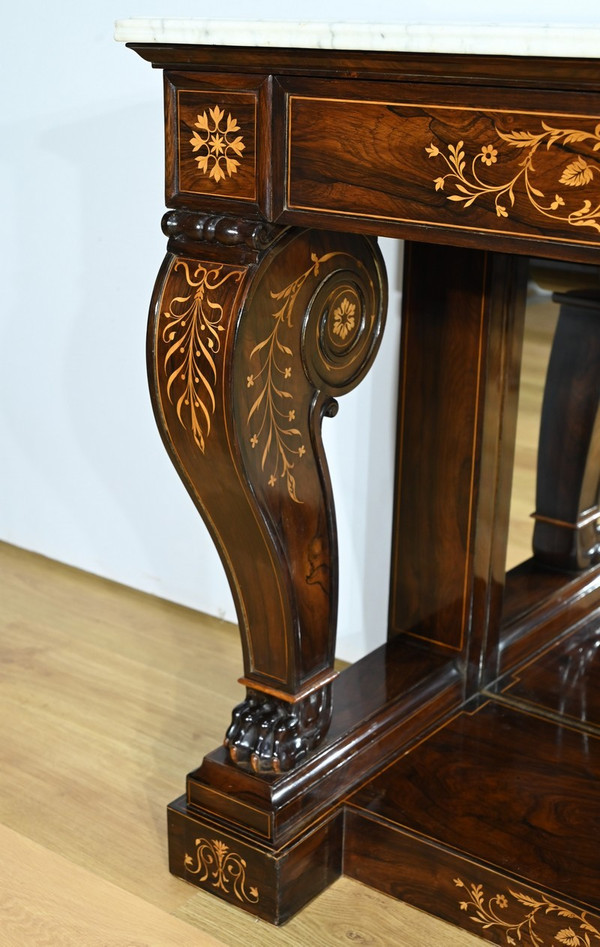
(253, 334)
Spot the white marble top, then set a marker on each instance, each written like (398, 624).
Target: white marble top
(515, 40)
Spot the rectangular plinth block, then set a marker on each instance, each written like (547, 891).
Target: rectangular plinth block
(270, 884)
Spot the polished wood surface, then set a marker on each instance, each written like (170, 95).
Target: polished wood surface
(459, 369)
(245, 360)
(564, 680)
(280, 168)
(566, 530)
(380, 704)
(520, 72)
(312, 104)
(430, 157)
(100, 714)
(544, 826)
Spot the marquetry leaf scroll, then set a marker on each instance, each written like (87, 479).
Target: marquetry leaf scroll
(192, 331)
(468, 182)
(518, 916)
(272, 415)
(225, 870)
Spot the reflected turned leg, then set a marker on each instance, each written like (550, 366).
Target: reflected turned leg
(248, 346)
(567, 527)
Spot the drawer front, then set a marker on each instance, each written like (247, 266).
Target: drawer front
(212, 145)
(518, 172)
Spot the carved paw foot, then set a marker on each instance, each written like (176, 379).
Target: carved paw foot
(272, 735)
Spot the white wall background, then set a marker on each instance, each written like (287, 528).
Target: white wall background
(83, 475)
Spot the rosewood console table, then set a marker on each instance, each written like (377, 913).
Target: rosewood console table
(458, 766)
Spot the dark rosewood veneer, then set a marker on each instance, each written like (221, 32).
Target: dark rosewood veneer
(457, 767)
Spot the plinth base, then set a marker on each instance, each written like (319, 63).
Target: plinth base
(270, 843)
(492, 824)
(271, 884)
(484, 812)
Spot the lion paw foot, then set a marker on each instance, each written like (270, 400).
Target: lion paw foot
(273, 736)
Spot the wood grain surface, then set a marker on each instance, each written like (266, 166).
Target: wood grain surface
(93, 677)
(103, 701)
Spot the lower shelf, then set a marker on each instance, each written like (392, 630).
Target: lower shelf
(486, 815)
(492, 824)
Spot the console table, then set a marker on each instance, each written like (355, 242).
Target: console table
(457, 767)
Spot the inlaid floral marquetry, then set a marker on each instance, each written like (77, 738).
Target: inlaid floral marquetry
(528, 174)
(216, 144)
(574, 199)
(523, 919)
(272, 420)
(192, 332)
(336, 340)
(344, 319)
(225, 870)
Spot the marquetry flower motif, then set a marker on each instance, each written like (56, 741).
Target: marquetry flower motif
(213, 862)
(271, 416)
(466, 184)
(489, 155)
(343, 318)
(216, 143)
(519, 917)
(192, 332)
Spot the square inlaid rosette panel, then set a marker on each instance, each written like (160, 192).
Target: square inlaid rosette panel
(212, 143)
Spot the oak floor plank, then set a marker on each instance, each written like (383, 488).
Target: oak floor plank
(107, 698)
(47, 901)
(347, 913)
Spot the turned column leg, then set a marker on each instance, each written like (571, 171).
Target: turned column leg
(567, 527)
(248, 348)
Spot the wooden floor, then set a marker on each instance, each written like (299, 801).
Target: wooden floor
(95, 680)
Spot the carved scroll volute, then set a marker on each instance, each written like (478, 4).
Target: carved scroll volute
(240, 410)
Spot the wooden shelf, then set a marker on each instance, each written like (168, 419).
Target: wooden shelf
(505, 795)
